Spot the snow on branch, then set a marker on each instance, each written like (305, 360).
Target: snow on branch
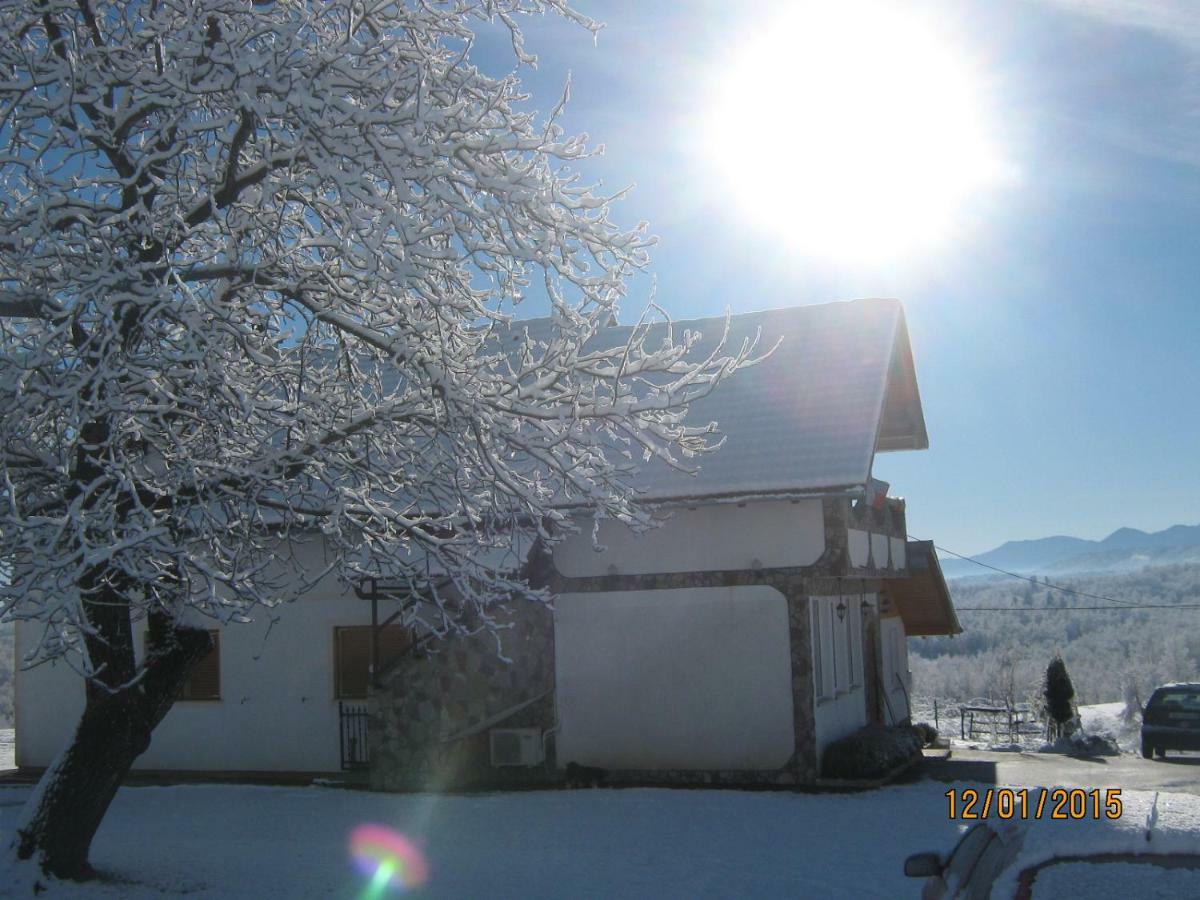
(260, 265)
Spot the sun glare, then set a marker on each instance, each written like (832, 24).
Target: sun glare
(851, 130)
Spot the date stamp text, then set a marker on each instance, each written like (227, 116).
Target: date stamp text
(1035, 803)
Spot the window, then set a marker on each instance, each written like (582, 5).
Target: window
(352, 657)
(204, 681)
(1176, 699)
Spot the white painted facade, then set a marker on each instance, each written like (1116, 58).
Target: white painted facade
(865, 548)
(694, 678)
(277, 710)
(897, 680)
(839, 670)
(858, 544)
(716, 537)
(879, 550)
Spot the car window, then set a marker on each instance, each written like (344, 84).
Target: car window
(1177, 698)
(992, 861)
(968, 851)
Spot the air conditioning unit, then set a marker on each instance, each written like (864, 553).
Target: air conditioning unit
(516, 746)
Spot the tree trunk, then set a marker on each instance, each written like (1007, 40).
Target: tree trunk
(65, 810)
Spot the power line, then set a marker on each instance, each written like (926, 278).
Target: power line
(1129, 604)
(1119, 604)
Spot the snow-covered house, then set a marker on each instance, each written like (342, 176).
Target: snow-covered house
(765, 618)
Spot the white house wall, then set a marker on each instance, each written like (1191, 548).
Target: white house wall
(897, 683)
(674, 679)
(879, 549)
(277, 710)
(865, 547)
(858, 543)
(711, 538)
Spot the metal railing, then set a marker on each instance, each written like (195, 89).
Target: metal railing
(353, 721)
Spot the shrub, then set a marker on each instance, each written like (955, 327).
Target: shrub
(1059, 692)
(927, 733)
(870, 752)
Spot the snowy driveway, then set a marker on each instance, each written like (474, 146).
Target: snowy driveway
(1178, 773)
(211, 841)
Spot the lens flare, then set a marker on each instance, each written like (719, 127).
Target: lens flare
(389, 859)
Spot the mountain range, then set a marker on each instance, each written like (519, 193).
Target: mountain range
(1124, 550)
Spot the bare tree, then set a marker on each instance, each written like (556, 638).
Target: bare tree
(258, 265)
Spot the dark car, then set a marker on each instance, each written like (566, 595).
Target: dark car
(1171, 720)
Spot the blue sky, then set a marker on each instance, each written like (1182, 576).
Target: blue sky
(1055, 327)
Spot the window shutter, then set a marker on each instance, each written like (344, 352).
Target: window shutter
(856, 641)
(845, 654)
(204, 681)
(828, 638)
(352, 656)
(353, 648)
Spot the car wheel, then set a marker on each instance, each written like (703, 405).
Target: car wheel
(1147, 750)
(1160, 752)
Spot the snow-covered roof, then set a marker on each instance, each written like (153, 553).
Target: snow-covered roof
(839, 387)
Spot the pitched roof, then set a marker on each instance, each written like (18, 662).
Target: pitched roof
(839, 387)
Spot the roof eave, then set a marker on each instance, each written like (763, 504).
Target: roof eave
(923, 598)
(902, 398)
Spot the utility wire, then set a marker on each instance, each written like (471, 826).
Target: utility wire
(1119, 604)
(1033, 580)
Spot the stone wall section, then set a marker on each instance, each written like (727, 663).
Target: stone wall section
(431, 717)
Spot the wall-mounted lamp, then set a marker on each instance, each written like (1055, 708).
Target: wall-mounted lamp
(840, 609)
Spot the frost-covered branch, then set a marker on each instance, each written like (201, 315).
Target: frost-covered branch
(259, 270)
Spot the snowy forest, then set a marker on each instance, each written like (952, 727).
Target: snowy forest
(1003, 655)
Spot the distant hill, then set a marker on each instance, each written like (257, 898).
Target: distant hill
(1126, 549)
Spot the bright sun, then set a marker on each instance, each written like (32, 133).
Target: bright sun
(851, 130)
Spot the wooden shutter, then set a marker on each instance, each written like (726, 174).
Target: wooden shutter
(352, 653)
(204, 681)
(352, 656)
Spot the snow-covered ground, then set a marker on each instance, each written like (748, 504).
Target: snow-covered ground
(1108, 720)
(1104, 719)
(241, 842)
(1031, 734)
